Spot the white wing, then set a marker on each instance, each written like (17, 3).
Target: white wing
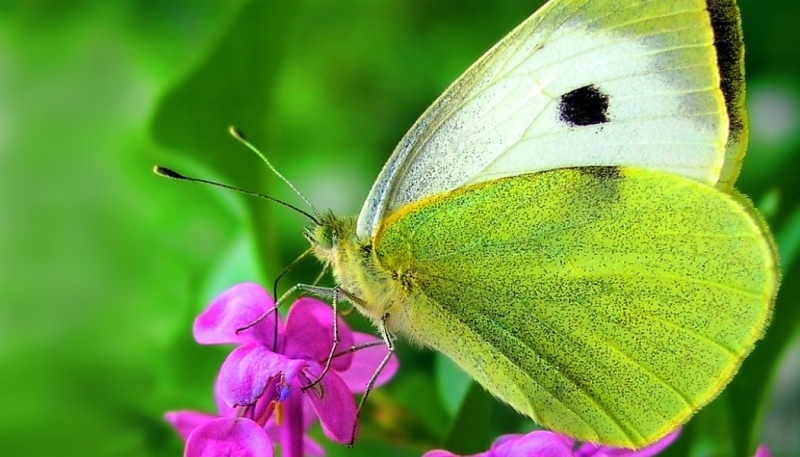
(580, 83)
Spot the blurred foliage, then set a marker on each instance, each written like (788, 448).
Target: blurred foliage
(105, 265)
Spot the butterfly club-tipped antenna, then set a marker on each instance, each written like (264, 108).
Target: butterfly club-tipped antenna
(172, 174)
(313, 216)
(236, 133)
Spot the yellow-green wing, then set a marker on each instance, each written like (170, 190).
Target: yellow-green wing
(606, 303)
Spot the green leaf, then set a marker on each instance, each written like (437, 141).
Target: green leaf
(234, 85)
(470, 432)
(749, 389)
(451, 382)
(788, 241)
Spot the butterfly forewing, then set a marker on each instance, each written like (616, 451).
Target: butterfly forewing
(580, 83)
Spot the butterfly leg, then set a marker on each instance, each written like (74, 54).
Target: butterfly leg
(334, 294)
(322, 292)
(387, 340)
(272, 310)
(275, 290)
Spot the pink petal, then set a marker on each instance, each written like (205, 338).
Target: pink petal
(593, 450)
(262, 404)
(762, 451)
(309, 333)
(228, 436)
(309, 417)
(222, 406)
(365, 362)
(508, 438)
(186, 421)
(309, 414)
(534, 444)
(238, 307)
(656, 447)
(336, 408)
(443, 453)
(312, 448)
(248, 370)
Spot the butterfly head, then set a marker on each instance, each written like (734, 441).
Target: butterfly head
(328, 235)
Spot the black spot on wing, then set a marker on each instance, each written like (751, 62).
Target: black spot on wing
(586, 105)
(727, 29)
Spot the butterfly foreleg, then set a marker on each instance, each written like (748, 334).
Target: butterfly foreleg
(334, 294)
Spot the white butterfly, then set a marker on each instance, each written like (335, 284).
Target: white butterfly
(551, 222)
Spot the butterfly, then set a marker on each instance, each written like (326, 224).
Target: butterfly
(562, 223)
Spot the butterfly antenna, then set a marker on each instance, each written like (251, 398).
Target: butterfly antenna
(236, 133)
(168, 173)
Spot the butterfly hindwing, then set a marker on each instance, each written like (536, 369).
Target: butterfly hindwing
(607, 303)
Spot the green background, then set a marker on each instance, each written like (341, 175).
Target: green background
(104, 265)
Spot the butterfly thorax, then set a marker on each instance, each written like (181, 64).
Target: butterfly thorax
(356, 267)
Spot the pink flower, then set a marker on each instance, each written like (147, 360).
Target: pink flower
(762, 451)
(259, 391)
(549, 444)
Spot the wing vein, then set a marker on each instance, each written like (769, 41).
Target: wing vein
(601, 407)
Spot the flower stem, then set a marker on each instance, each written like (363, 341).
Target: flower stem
(292, 428)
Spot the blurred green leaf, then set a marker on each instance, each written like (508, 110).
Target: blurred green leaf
(421, 415)
(748, 390)
(452, 383)
(711, 431)
(239, 264)
(470, 431)
(234, 85)
(788, 242)
(770, 203)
